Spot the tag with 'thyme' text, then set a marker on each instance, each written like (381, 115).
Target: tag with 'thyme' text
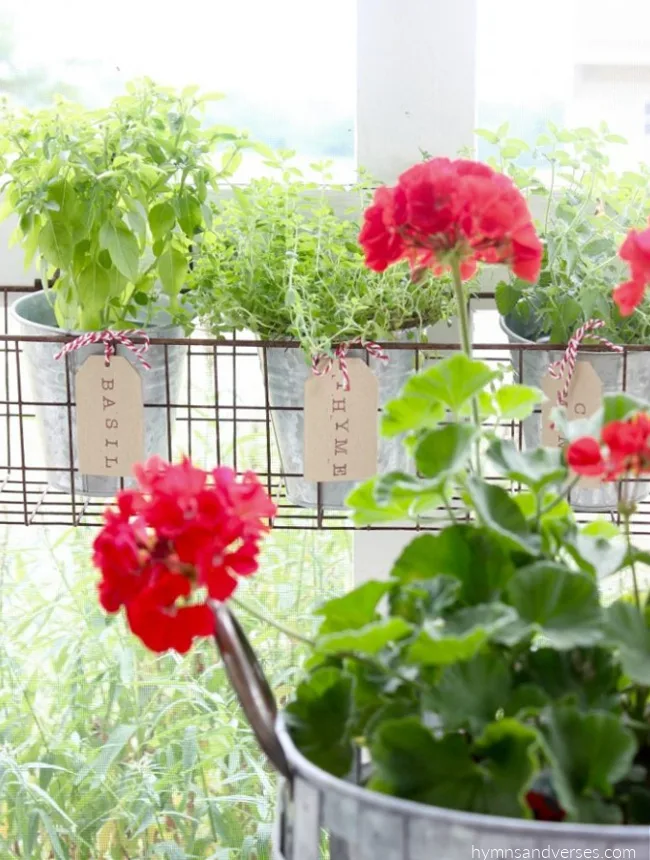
(341, 426)
(584, 398)
(110, 417)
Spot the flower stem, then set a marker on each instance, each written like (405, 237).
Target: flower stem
(466, 342)
(556, 501)
(265, 619)
(630, 552)
(461, 305)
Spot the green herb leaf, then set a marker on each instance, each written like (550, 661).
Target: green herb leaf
(161, 219)
(122, 245)
(172, 269)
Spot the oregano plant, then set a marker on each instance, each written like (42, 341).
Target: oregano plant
(584, 208)
(110, 202)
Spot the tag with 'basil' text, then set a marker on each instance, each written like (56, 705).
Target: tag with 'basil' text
(341, 427)
(585, 397)
(110, 417)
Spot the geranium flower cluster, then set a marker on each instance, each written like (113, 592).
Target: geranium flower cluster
(442, 209)
(623, 449)
(182, 537)
(635, 250)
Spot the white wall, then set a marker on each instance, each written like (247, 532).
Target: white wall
(619, 95)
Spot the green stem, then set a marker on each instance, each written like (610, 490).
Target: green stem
(265, 619)
(445, 501)
(463, 318)
(466, 342)
(630, 550)
(563, 495)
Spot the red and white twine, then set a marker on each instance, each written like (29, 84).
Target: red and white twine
(565, 367)
(110, 339)
(340, 356)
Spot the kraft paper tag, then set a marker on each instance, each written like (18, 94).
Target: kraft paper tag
(341, 427)
(110, 417)
(584, 398)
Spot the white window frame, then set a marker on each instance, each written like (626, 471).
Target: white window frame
(416, 88)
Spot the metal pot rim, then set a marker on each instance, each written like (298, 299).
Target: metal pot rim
(15, 308)
(302, 767)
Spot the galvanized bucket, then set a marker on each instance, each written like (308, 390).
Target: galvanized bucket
(365, 825)
(51, 392)
(616, 374)
(287, 370)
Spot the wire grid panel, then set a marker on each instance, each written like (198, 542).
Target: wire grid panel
(222, 415)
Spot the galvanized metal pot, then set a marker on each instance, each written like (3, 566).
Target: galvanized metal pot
(287, 371)
(633, 375)
(365, 825)
(49, 385)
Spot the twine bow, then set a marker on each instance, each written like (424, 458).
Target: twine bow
(340, 356)
(110, 339)
(567, 364)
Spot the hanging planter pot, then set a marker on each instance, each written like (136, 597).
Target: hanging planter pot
(615, 372)
(366, 825)
(52, 390)
(287, 372)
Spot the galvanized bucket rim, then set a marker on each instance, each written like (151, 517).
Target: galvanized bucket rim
(515, 337)
(40, 296)
(302, 767)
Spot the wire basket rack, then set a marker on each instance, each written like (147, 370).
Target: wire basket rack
(223, 416)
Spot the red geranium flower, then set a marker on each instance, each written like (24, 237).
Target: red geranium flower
(635, 250)
(623, 448)
(442, 210)
(585, 457)
(182, 537)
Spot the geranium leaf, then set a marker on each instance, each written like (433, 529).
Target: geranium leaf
(562, 604)
(355, 609)
(409, 762)
(410, 412)
(536, 468)
(588, 752)
(627, 630)
(452, 381)
(424, 598)
(587, 676)
(507, 752)
(468, 695)
(500, 513)
(369, 639)
(412, 494)
(366, 510)
(469, 553)
(319, 719)
(596, 555)
(445, 451)
(516, 402)
(460, 636)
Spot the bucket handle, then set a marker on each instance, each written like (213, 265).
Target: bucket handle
(250, 685)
